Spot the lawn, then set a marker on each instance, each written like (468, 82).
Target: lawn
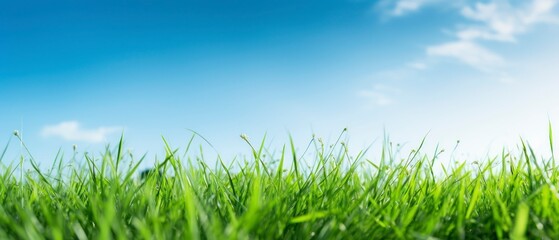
(263, 196)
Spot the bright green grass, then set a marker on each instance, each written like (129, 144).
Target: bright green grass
(278, 197)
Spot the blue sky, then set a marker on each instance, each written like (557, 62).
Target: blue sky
(482, 72)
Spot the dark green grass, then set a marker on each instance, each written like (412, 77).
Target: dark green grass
(335, 196)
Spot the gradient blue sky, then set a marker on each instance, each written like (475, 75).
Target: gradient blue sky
(76, 72)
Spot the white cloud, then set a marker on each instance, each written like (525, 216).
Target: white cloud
(502, 21)
(497, 21)
(380, 95)
(469, 53)
(405, 6)
(418, 65)
(376, 97)
(398, 8)
(72, 131)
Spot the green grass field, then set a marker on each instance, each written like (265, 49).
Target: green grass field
(336, 196)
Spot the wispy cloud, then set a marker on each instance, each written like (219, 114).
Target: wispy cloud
(468, 53)
(72, 131)
(380, 95)
(483, 21)
(418, 65)
(497, 21)
(403, 7)
(503, 21)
